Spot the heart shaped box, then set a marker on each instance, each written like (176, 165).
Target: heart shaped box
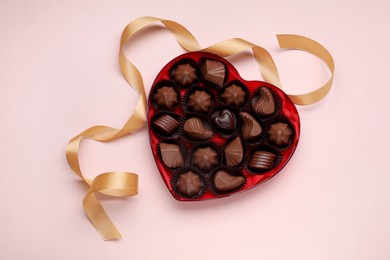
(234, 169)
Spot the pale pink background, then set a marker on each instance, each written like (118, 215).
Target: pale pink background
(59, 75)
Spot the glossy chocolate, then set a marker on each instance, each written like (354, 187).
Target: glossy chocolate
(234, 152)
(265, 105)
(199, 101)
(194, 128)
(184, 74)
(166, 98)
(214, 71)
(166, 124)
(262, 160)
(171, 155)
(224, 120)
(279, 134)
(251, 128)
(233, 96)
(189, 184)
(223, 181)
(205, 158)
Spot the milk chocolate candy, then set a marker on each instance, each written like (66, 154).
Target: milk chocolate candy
(205, 158)
(234, 152)
(166, 124)
(166, 98)
(184, 74)
(214, 71)
(189, 184)
(223, 181)
(279, 134)
(171, 155)
(262, 160)
(194, 128)
(233, 96)
(265, 105)
(199, 101)
(251, 128)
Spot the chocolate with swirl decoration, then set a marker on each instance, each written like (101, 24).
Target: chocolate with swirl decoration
(265, 105)
(194, 128)
(251, 128)
(223, 181)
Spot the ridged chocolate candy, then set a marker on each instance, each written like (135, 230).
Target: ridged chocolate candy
(251, 128)
(279, 134)
(214, 71)
(262, 160)
(171, 155)
(166, 97)
(234, 152)
(189, 184)
(194, 128)
(199, 101)
(184, 74)
(166, 124)
(223, 181)
(233, 96)
(205, 158)
(265, 105)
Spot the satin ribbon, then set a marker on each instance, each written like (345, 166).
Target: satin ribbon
(122, 184)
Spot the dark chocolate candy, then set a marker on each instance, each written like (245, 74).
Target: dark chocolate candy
(223, 181)
(184, 74)
(251, 128)
(171, 155)
(279, 134)
(189, 184)
(233, 96)
(166, 124)
(205, 158)
(265, 105)
(199, 101)
(234, 152)
(224, 120)
(194, 128)
(166, 97)
(262, 160)
(214, 71)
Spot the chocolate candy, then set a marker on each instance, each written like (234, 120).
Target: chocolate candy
(233, 96)
(166, 98)
(184, 74)
(189, 184)
(166, 124)
(265, 105)
(262, 160)
(224, 120)
(279, 134)
(223, 181)
(194, 128)
(199, 101)
(251, 128)
(205, 158)
(171, 155)
(214, 71)
(234, 152)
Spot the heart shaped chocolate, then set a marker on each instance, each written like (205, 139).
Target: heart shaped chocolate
(212, 133)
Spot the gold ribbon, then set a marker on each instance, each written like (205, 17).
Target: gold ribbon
(125, 183)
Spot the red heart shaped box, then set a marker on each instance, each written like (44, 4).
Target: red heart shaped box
(288, 110)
